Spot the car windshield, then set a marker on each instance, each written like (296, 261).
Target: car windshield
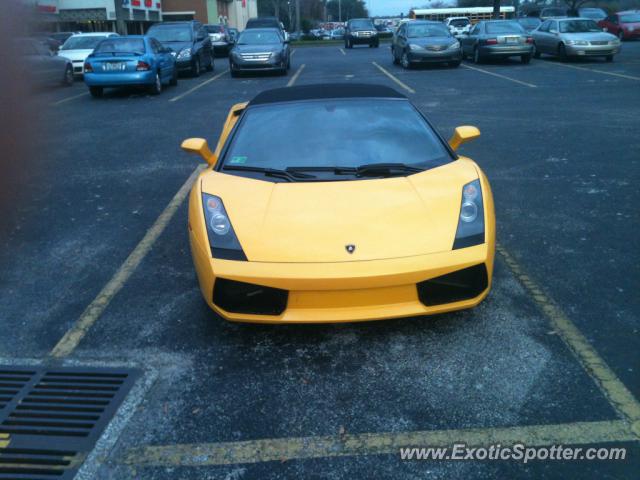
(594, 13)
(459, 22)
(330, 133)
(171, 33)
(83, 42)
(434, 30)
(263, 23)
(361, 24)
(579, 26)
(504, 27)
(633, 18)
(252, 37)
(121, 45)
(553, 12)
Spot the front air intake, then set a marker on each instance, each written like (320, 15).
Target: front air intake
(240, 297)
(460, 285)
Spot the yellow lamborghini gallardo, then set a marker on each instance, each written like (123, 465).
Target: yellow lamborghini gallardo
(338, 203)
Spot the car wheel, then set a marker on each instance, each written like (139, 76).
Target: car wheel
(174, 77)
(477, 58)
(393, 56)
(96, 92)
(525, 58)
(621, 35)
(536, 52)
(67, 81)
(195, 67)
(211, 65)
(156, 88)
(404, 61)
(609, 58)
(562, 53)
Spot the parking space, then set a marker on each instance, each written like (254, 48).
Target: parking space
(98, 247)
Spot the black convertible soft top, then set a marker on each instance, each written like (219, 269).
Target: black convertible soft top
(326, 90)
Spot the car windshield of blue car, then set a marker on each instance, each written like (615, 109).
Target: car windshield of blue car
(417, 31)
(330, 133)
(88, 42)
(249, 37)
(171, 33)
(504, 27)
(579, 26)
(121, 45)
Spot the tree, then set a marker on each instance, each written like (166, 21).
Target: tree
(350, 9)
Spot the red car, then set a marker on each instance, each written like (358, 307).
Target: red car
(626, 25)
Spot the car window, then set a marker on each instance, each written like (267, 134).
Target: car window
(121, 45)
(156, 47)
(504, 27)
(553, 25)
(88, 42)
(171, 33)
(295, 134)
(252, 37)
(579, 26)
(459, 22)
(361, 24)
(630, 18)
(476, 29)
(430, 30)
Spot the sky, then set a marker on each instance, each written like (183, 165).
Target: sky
(392, 7)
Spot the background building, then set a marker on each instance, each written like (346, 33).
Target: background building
(235, 13)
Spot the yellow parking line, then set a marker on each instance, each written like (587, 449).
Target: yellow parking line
(200, 85)
(295, 76)
(394, 78)
(5, 440)
(68, 99)
(79, 329)
(342, 51)
(504, 77)
(621, 399)
(284, 449)
(604, 72)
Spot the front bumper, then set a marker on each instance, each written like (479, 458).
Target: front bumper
(272, 64)
(119, 79)
(371, 40)
(429, 56)
(346, 291)
(184, 64)
(506, 50)
(592, 50)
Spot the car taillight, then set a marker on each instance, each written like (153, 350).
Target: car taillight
(491, 41)
(88, 67)
(143, 66)
(529, 39)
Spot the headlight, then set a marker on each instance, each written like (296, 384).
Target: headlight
(185, 53)
(222, 238)
(578, 42)
(455, 45)
(471, 220)
(413, 46)
(614, 42)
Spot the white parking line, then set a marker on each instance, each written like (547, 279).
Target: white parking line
(296, 75)
(200, 85)
(530, 85)
(342, 51)
(604, 72)
(68, 99)
(395, 79)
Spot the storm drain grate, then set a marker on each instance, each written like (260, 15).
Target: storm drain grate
(50, 419)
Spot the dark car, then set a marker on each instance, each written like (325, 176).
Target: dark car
(425, 42)
(267, 22)
(260, 49)
(529, 23)
(361, 31)
(626, 25)
(40, 65)
(62, 36)
(190, 43)
(497, 39)
(552, 12)
(48, 41)
(220, 38)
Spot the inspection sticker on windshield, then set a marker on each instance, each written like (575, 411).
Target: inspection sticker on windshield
(238, 160)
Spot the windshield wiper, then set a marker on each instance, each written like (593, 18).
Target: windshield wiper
(271, 172)
(367, 170)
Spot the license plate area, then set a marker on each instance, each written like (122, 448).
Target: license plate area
(511, 40)
(114, 66)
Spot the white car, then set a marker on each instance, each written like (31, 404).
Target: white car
(79, 46)
(458, 25)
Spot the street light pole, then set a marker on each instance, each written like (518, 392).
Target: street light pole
(298, 18)
(340, 11)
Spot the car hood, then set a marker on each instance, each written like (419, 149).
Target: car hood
(75, 54)
(424, 41)
(257, 48)
(314, 221)
(590, 36)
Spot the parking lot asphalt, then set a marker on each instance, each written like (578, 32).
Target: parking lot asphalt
(550, 357)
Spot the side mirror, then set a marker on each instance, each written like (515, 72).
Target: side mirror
(200, 146)
(462, 135)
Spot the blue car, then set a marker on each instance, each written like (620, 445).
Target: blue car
(133, 60)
